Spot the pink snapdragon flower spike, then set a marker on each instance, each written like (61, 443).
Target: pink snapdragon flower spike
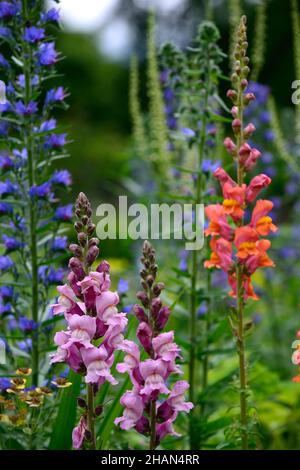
(296, 357)
(152, 406)
(95, 327)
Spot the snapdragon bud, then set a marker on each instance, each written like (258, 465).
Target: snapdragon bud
(92, 254)
(140, 313)
(76, 250)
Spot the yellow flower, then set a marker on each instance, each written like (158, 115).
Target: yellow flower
(61, 382)
(44, 391)
(18, 383)
(4, 419)
(23, 371)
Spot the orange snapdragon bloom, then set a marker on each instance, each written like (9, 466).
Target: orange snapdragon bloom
(218, 224)
(245, 241)
(234, 200)
(221, 256)
(262, 223)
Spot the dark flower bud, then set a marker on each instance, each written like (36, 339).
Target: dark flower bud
(76, 266)
(81, 402)
(78, 226)
(82, 238)
(142, 426)
(155, 306)
(92, 254)
(143, 273)
(76, 250)
(150, 280)
(165, 411)
(144, 335)
(94, 241)
(143, 298)
(98, 410)
(162, 318)
(84, 219)
(158, 288)
(140, 313)
(144, 285)
(103, 267)
(90, 229)
(88, 435)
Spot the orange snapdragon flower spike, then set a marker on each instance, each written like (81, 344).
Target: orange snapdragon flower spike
(238, 247)
(234, 243)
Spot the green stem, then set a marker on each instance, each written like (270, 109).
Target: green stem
(32, 209)
(152, 425)
(91, 415)
(240, 308)
(195, 265)
(205, 364)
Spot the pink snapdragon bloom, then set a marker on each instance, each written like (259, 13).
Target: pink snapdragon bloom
(132, 358)
(153, 373)
(218, 224)
(165, 348)
(296, 353)
(98, 365)
(90, 309)
(134, 408)
(150, 377)
(69, 354)
(176, 397)
(78, 433)
(256, 185)
(68, 303)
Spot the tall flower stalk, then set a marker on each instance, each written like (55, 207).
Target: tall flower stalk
(237, 246)
(192, 78)
(151, 407)
(32, 143)
(90, 310)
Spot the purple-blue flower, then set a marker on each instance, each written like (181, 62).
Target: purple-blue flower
(11, 243)
(5, 32)
(6, 263)
(8, 9)
(55, 95)
(48, 126)
(55, 141)
(208, 166)
(6, 292)
(183, 255)
(27, 325)
(42, 190)
(3, 62)
(33, 34)
(25, 345)
(50, 15)
(123, 286)
(5, 309)
(26, 110)
(5, 209)
(62, 177)
(64, 213)
(7, 188)
(50, 275)
(4, 383)
(21, 80)
(187, 132)
(47, 54)
(59, 244)
(6, 163)
(202, 310)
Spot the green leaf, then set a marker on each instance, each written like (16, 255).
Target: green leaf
(112, 413)
(61, 438)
